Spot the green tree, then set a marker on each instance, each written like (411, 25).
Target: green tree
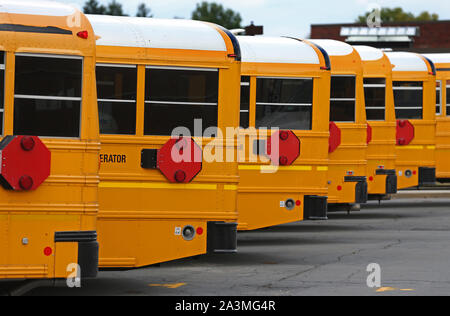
(115, 8)
(93, 7)
(398, 15)
(216, 13)
(144, 11)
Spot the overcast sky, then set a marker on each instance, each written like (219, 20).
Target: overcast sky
(285, 17)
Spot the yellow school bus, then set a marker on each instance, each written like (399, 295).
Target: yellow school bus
(166, 88)
(415, 105)
(285, 88)
(380, 112)
(442, 64)
(50, 143)
(348, 128)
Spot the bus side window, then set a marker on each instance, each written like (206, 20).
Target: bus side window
(284, 103)
(245, 102)
(116, 89)
(448, 97)
(439, 100)
(343, 99)
(375, 95)
(47, 100)
(176, 97)
(408, 97)
(2, 89)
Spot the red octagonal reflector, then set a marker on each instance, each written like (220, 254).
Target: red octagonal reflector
(25, 162)
(369, 133)
(405, 132)
(289, 148)
(335, 137)
(180, 160)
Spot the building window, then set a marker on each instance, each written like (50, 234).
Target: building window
(375, 96)
(408, 97)
(284, 103)
(245, 102)
(47, 100)
(343, 99)
(176, 97)
(439, 97)
(2, 89)
(116, 88)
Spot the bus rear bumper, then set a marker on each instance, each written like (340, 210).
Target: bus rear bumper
(315, 208)
(427, 176)
(361, 188)
(222, 237)
(88, 249)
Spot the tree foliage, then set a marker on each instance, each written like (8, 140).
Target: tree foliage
(398, 15)
(144, 11)
(93, 7)
(216, 13)
(115, 8)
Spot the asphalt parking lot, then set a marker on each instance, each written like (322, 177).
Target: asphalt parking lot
(408, 239)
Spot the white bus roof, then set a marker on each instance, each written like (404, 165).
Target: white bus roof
(156, 33)
(33, 7)
(333, 47)
(404, 61)
(369, 53)
(438, 58)
(262, 49)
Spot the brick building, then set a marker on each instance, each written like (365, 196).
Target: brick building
(421, 37)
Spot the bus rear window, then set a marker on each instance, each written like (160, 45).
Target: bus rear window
(245, 102)
(343, 99)
(375, 96)
(47, 99)
(177, 97)
(408, 97)
(448, 96)
(117, 90)
(284, 103)
(439, 99)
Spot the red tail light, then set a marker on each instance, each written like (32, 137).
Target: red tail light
(83, 34)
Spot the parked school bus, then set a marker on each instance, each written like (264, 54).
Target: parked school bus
(442, 64)
(50, 144)
(154, 76)
(285, 88)
(348, 129)
(380, 112)
(415, 104)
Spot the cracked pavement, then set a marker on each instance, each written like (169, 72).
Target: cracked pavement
(409, 239)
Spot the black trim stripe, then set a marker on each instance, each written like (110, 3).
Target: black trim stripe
(433, 68)
(235, 42)
(325, 55)
(33, 29)
(355, 179)
(443, 69)
(385, 172)
(83, 236)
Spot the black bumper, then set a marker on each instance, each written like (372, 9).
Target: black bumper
(391, 184)
(361, 188)
(427, 176)
(222, 237)
(315, 208)
(87, 250)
